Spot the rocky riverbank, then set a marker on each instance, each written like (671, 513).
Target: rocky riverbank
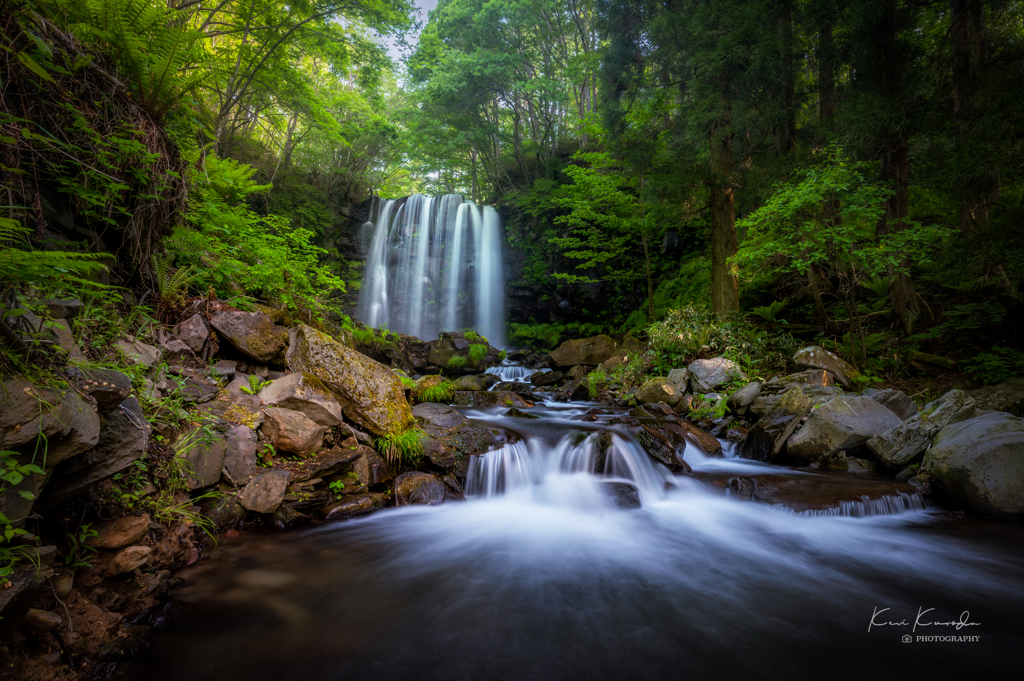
(283, 424)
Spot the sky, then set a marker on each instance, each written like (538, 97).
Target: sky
(424, 6)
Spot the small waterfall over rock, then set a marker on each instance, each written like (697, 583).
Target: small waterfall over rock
(433, 264)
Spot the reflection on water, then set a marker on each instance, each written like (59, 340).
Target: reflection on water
(549, 580)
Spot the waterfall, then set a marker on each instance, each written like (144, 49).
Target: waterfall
(432, 265)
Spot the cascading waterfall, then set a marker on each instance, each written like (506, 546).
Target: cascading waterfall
(432, 265)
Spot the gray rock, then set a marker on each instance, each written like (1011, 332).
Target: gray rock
(108, 387)
(621, 494)
(66, 308)
(579, 371)
(225, 368)
(419, 488)
(817, 394)
(452, 438)
(1007, 396)
(744, 397)
(592, 351)
(765, 440)
(896, 401)
(841, 424)
(899, 445)
(123, 439)
(352, 506)
(656, 390)
(174, 351)
(224, 511)
(16, 598)
(292, 431)
(708, 374)
(265, 492)
(204, 457)
(305, 394)
(193, 332)
(679, 379)
(61, 331)
(252, 333)
(240, 461)
(137, 352)
(198, 390)
(371, 469)
(815, 357)
(978, 464)
(807, 378)
(69, 423)
(469, 383)
(542, 378)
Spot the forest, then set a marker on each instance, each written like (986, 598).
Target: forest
(667, 261)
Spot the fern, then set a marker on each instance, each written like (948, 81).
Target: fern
(19, 264)
(770, 312)
(171, 284)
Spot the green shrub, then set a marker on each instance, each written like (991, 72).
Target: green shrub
(996, 366)
(457, 363)
(477, 352)
(440, 393)
(406, 447)
(502, 355)
(472, 336)
(595, 381)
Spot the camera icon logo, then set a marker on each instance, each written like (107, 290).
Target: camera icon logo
(907, 638)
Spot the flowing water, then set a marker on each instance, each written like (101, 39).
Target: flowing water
(542, 574)
(433, 264)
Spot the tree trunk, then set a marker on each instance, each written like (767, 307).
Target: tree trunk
(895, 164)
(826, 75)
(785, 132)
(725, 295)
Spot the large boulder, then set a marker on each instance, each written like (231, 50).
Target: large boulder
(708, 374)
(203, 453)
(817, 394)
(806, 378)
(591, 351)
(896, 401)
(118, 533)
(542, 378)
(899, 445)
(265, 492)
(69, 424)
(765, 440)
(658, 390)
(419, 488)
(741, 399)
(452, 438)
(473, 382)
(841, 424)
(679, 379)
(978, 464)
(1008, 397)
(371, 469)
(815, 357)
(254, 334)
(303, 393)
(123, 438)
(138, 353)
(371, 395)
(292, 431)
(108, 387)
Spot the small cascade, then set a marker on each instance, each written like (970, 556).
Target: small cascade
(890, 504)
(433, 264)
(534, 462)
(512, 373)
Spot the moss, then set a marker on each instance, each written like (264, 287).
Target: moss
(457, 363)
(441, 393)
(236, 413)
(477, 352)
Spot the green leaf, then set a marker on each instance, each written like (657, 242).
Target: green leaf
(35, 68)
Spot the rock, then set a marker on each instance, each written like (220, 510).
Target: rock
(744, 397)
(978, 464)
(203, 453)
(60, 330)
(69, 423)
(235, 406)
(326, 462)
(265, 492)
(127, 559)
(765, 440)
(17, 596)
(815, 357)
(419, 488)
(123, 438)
(542, 378)
(240, 461)
(708, 374)
(306, 394)
(66, 308)
(579, 371)
(841, 424)
(224, 511)
(622, 494)
(370, 394)
(899, 445)
(1007, 396)
(198, 390)
(452, 438)
(932, 364)
(370, 468)
(520, 414)
(708, 443)
(193, 332)
(251, 333)
(292, 431)
(225, 368)
(491, 398)
(591, 351)
(119, 532)
(138, 353)
(174, 351)
(896, 401)
(40, 621)
(817, 394)
(657, 390)
(469, 383)
(353, 506)
(679, 379)
(286, 517)
(842, 464)
(809, 377)
(108, 387)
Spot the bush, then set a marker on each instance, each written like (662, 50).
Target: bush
(457, 363)
(477, 352)
(440, 393)
(406, 447)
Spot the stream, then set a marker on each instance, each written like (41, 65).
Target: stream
(542, 574)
